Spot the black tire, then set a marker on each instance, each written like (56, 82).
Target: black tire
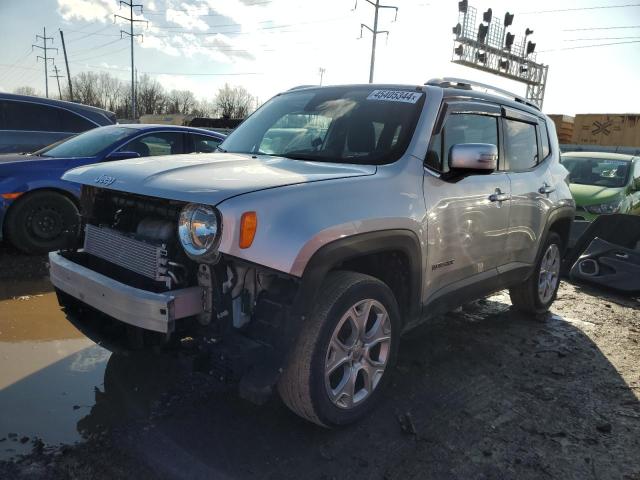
(302, 385)
(525, 297)
(41, 222)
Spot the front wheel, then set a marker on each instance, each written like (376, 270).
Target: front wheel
(342, 359)
(42, 221)
(537, 293)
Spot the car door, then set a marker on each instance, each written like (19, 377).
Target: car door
(467, 215)
(201, 143)
(532, 193)
(156, 143)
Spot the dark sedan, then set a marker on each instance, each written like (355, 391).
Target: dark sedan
(39, 210)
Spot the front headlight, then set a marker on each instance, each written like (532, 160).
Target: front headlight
(609, 207)
(198, 230)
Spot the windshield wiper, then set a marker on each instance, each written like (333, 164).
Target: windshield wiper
(220, 149)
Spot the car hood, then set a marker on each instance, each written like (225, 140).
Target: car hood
(594, 194)
(19, 157)
(208, 178)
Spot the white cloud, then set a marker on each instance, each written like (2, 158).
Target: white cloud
(188, 18)
(87, 10)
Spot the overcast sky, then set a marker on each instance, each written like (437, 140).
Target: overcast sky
(269, 46)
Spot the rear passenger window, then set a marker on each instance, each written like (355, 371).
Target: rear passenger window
(31, 116)
(520, 145)
(74, 123)
(461, 128)
(544, 136)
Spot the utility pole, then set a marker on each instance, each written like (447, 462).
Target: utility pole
(322, 72)
(375, 32)
(66, 62)
(46, 58)
(131, 21)
(57, 77)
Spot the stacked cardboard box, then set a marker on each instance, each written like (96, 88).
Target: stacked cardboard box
(564, 127)
(609, 130)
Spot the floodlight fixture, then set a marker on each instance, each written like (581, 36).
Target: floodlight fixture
(504, 64)
(459, 50)
(508, 19)
(457, 30)
(482, 33)
(508, 41)
(481, 57)
(530, 48)
(463, 5)
(486, 16)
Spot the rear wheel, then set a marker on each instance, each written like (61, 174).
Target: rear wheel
(538, 293)
(41, 222)
(342, 360)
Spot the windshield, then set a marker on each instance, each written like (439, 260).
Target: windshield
(87, 144)
(597, 171)
(335, 124)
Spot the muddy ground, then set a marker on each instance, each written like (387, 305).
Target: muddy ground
(483, 393)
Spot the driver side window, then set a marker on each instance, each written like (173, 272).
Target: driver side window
(460, 128)
(156, 143)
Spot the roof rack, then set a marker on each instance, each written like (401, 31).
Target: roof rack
(450, 82)
(298, 87)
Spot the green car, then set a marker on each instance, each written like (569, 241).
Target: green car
(603, 183)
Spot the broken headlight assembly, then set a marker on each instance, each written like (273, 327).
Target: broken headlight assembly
(199, 229)
(609, 207)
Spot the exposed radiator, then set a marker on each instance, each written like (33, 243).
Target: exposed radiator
(139, 257)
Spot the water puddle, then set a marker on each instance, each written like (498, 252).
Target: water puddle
(49, 373)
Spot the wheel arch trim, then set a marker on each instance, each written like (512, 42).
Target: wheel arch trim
(332, 254)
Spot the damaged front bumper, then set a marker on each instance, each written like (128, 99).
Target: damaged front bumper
(133, 306)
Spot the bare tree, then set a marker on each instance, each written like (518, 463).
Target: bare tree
(151, 97)
(234, 102)
(27, 90)
(180, 101)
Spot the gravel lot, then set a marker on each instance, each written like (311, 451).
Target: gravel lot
(481, 393)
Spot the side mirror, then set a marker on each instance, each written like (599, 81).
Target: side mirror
(121, 156)
(473, 156)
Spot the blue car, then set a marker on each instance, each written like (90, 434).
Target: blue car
(39, 211)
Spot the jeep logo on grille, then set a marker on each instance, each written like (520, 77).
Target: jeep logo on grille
(105, 180)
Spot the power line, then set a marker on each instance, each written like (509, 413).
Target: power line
(90, 34)
(97, 47)
(599, 38)
(205, 74)
(57, 77)
(45, 48)
(76, 60)
(582, 8)
(591, 46)
(375, 32)
(599, 28)
(131, 21)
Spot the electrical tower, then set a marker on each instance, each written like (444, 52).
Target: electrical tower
(321, 71)
(57, 77)
(375, 32)
(46, 58)
(131, 21)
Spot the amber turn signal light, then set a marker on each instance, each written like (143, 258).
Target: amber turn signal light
(248, 227)
(10, 196)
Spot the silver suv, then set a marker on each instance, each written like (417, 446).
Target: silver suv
(330, 222)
